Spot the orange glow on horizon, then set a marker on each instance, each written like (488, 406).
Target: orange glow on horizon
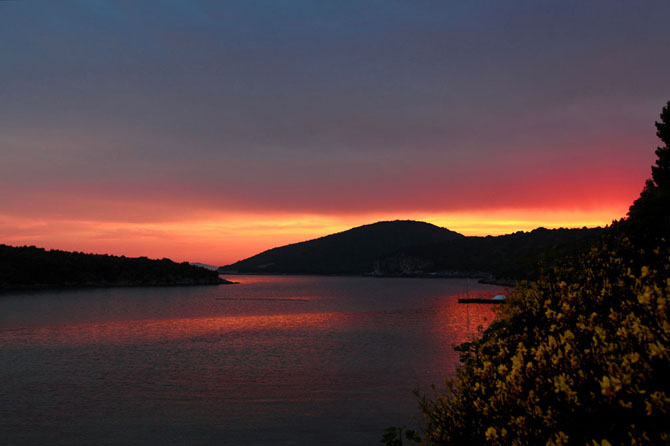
(221, 239)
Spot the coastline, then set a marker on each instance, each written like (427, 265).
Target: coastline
(480, 278)
(46, 286)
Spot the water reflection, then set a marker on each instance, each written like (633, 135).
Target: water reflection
(327, 361)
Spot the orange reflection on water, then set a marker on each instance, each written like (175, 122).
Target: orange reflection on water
(149, 331)
(453, 324)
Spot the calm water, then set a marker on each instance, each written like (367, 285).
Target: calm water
(275, 360)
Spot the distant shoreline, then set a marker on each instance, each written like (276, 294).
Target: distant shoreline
(486, 281)
(47, 287)
(33, 268)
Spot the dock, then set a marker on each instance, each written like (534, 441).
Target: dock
(499, 299)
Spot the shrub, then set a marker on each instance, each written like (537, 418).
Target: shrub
(581, 356)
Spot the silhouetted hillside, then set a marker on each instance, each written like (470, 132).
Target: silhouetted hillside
(513, 256)
(28, 266)
(349, 252)
(204, 265)
(409, 248)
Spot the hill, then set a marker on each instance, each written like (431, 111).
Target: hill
(349, 252)
(504, 258)
(31, 267)
(410, 248)
(204, 265)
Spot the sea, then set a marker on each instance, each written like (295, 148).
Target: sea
(272, 360)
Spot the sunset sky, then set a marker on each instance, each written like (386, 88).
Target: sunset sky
(209, 131)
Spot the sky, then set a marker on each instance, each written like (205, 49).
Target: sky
(210, 131)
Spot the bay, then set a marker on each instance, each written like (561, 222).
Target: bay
(281, 360)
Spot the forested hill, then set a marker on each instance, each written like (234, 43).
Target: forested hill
(349, 252)
(410, 248)
(504, 258)
(31, 267)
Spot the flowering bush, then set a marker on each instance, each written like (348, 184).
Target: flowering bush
(581, 356)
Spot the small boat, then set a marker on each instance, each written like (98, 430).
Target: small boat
(498, 299)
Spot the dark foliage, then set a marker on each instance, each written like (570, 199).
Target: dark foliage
(393, 436)
(661, 171)
(650, 214)
(28, 266)
(515, 256)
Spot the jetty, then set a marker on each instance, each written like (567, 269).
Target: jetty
(498, 299)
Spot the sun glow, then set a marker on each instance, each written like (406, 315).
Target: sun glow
(223, 238)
